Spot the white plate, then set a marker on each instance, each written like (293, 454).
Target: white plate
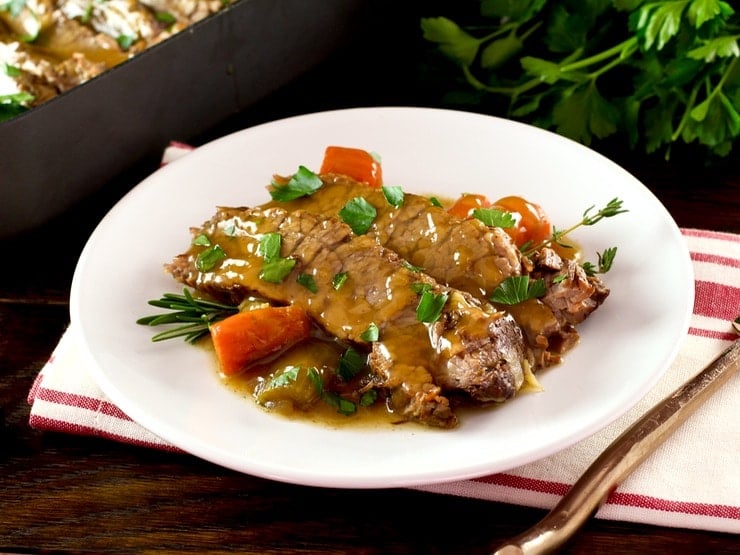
(170, 387)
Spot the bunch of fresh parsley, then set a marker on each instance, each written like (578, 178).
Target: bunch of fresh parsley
(649, 72)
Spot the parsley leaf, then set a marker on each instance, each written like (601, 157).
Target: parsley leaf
(275, 268)
(358, 214)
(494, 217)
(287, 377)
(202, 240)
(369, 397)
(125, 41)
(351, 363)
(269, 246)
(335, 400)
(517, 289)
(372, 333)
(430, 306)
(338, 280)
(394, 195)
(308, 281)
(208, 259)
(303, 183)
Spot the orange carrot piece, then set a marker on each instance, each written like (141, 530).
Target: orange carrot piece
(356, 163)
(464, 206)
(247, 337)
(533, 224)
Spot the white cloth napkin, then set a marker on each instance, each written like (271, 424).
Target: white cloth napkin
(691, 481)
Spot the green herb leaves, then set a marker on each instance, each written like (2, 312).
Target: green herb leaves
(394, 195)
(358, 214)
(275, 268)
(208, 259)
(493, 217)
(303, 183)
(612, 208)
(655, 72)
(606, 259)
(430, 304)
(517, 289)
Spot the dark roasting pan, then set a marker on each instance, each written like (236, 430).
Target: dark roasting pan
(56, 154)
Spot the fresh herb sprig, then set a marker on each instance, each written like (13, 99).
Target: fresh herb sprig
(611, 209)
(605, 261)
(192, 317)
(517, 289)
(653, 73)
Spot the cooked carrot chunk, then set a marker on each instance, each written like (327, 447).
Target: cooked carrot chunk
(356, 163)
(247, 337)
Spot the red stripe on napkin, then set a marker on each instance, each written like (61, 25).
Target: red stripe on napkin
(715, 259)
(716, 300)
(81, 401)
(615, 498)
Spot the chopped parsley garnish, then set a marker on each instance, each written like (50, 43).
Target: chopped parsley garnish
(371, 333)
(335, 400)
(351, 363)
(303, 183)
(493, 217)
(394, 195)
(430, 306)
(411, 267)
(338, 280)
(343, 406)
(275, 268)
(12, 71)
(269, 247)
(368, 398)
(436, 202)
(125, 41)
(13, 104)
(202, 240)
(165, 17)
(420, 288)
(358, 214)
(288, 376)
(209, 258)
(308, 281)
(517, 289)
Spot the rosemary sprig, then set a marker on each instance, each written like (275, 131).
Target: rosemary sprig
(612, 208)
(192, 315)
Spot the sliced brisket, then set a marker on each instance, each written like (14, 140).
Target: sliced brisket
(471, 349)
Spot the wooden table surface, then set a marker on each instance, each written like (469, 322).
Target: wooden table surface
(69, 494)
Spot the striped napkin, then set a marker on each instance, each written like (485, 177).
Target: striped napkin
(691, 481)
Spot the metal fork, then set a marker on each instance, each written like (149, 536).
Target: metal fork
(621, 458)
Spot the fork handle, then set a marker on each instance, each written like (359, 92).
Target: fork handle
(621, 457)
